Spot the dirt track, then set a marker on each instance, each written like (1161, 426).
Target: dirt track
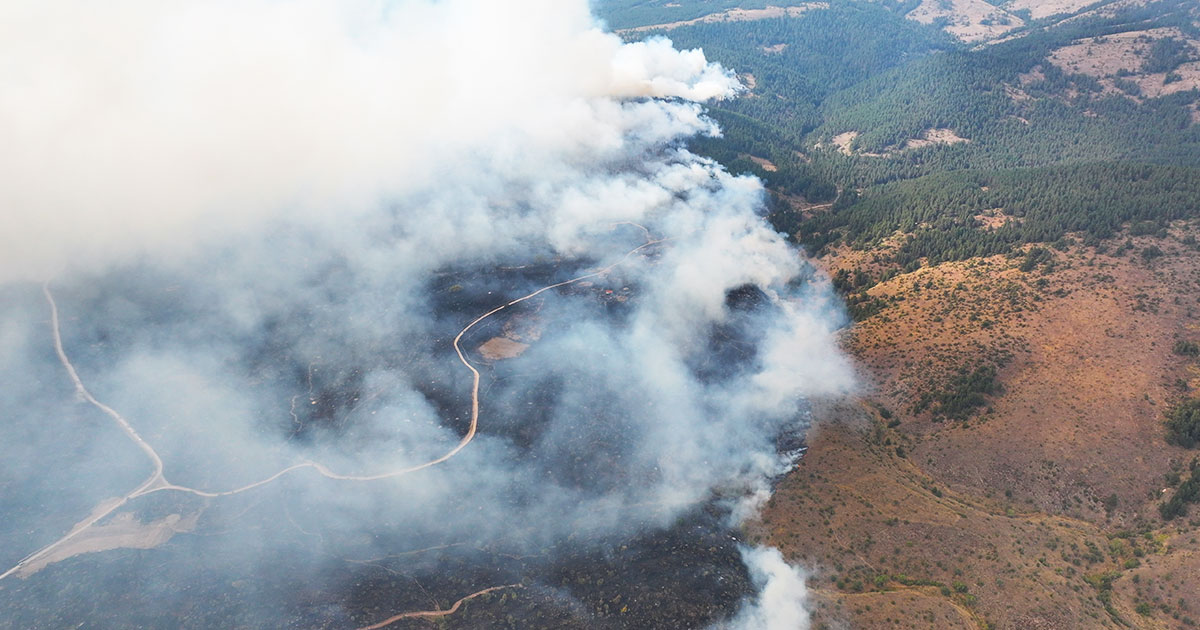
(74, 543)
(434, 614)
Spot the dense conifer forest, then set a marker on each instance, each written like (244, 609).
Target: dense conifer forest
(1059, 152)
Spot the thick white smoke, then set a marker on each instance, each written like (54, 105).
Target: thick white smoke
(140, 125)
(266, 220)
(781, 598)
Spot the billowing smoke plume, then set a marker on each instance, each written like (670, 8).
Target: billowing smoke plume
(266, 227)
(133, 125)
(781, 598)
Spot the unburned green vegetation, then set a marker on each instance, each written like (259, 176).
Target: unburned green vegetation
(941, 213)
(1183, 423)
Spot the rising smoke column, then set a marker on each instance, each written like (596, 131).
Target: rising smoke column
(782, 594)
(265, 221)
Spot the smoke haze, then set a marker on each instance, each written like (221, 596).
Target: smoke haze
(129, 126)
(782, 593)
(265, 223)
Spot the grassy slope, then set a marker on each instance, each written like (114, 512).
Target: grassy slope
(1011, 503)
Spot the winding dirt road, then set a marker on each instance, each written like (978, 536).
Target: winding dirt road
(434, 614)
(157, 481)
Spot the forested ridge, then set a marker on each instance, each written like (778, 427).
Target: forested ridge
(1036, 205)
(1055, 151)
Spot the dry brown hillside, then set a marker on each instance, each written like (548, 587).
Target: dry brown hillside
(1038, 507)
(1121, 60)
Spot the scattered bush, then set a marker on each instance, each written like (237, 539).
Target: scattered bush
(1183, 423)
(1188, 492)
(965, 392)
(1166, 55)
(1186, 348)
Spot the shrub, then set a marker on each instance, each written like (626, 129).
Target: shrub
(1183, 423)
(1186, 348)
(1188, 492)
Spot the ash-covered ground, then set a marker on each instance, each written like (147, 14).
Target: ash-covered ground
(663, 566)
(254, 373)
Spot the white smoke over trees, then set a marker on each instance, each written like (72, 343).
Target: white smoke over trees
(265, 220)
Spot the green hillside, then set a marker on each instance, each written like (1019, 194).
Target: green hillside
(862, 75)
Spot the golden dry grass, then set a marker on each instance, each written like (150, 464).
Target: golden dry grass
(1125, 53)
(1011, 503)
(1039, 9)
(968, 20)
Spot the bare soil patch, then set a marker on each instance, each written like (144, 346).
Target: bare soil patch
(968, 20)
(767, 165)
(516, 336)
(1039, 9)
(845, 141)
(1121, 56)
(994, 219)
(1108, 10)
(934, 136)
(499, 348)
(122, 531)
